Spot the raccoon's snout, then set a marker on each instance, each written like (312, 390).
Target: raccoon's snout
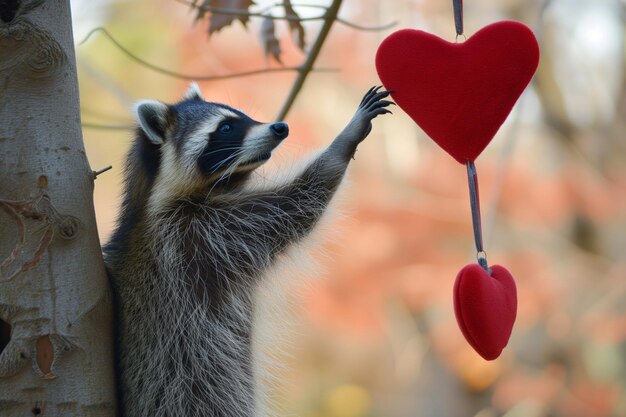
(280, 130)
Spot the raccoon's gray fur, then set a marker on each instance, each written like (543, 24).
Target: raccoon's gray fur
(192, 242)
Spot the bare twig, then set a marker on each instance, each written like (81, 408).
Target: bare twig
(190, 76)
(367, 28)
(271, 6)
(106, 81)
(235, 12)
(101, 171)
(265, 15)
(306, 5)
(240, 13)
(503, 164)
(106, 127)
(329, 18)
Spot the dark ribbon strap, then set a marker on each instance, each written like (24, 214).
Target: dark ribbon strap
(458, 16)
(472, 179)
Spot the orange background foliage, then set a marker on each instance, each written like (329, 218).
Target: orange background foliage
(376, 334)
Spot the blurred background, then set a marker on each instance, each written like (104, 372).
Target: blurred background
(374, 332)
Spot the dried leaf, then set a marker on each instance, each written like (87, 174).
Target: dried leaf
(233, 10)
(200, 9)
(271, 46)
(295, 26)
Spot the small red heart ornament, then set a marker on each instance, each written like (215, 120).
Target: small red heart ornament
(459, 93)
(485, 307)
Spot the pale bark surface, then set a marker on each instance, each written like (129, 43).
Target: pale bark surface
(58, 359)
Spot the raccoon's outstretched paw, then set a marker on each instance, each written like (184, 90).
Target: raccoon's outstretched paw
(372, 105)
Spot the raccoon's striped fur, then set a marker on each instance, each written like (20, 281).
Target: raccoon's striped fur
(192, 243)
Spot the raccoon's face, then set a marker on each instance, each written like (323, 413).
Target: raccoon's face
(203, 142)
(229, 142)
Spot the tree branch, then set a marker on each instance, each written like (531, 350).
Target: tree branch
(329, 18)
(88, 125)
(367, 28)
(190, 76)
(506, 153)
(101, 171)
(265, 15)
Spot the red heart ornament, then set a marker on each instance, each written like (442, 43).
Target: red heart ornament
(459, 93)
(485, 308)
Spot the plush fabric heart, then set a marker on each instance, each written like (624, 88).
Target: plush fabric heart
(485, 308)
(459, 93)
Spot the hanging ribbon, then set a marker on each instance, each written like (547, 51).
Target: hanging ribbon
(472, 179)
(458, 16)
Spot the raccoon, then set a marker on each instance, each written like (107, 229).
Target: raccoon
(192, 242)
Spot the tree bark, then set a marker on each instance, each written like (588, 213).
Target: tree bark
(55, 311)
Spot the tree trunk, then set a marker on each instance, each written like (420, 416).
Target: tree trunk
(55, 311)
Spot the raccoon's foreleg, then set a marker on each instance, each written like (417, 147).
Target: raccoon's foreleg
(281, 217)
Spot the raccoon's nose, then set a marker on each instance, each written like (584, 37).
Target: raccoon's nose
(280, 130)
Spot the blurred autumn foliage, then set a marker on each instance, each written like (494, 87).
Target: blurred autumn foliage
(377, 335)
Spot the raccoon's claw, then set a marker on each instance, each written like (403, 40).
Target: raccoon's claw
(374, 94)
(372, 105)
(379, 108)
(373, 97)
(369, 93)
(383, 111)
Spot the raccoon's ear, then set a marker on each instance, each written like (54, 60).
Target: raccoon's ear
(193, 92)
(152, 118)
